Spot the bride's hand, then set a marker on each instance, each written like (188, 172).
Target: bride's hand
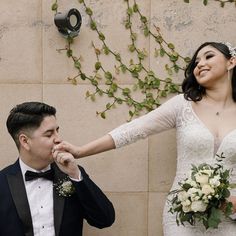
(64, 146)
(232, 199)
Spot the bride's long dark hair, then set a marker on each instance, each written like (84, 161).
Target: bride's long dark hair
(191, 89)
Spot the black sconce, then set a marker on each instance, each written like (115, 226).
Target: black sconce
(69, 23)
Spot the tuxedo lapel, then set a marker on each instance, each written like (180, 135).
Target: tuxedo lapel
(58, 201)
(18, 192)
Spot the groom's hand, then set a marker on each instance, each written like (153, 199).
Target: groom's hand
(67, 164)
(67, 147)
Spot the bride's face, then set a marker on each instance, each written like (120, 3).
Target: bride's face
(210, 66)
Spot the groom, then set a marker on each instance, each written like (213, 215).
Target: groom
(44, 193)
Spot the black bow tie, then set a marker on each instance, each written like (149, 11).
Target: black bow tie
(29, 175)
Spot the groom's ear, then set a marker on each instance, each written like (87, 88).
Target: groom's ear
(24, 141)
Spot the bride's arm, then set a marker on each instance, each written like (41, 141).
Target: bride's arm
(102, 144)
(156, 121)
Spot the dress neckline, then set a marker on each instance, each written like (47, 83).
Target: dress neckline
(217, 142)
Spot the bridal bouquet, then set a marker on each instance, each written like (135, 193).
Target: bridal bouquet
(202, 196)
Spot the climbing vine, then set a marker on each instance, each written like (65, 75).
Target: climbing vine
(222, 2)
(147, 82)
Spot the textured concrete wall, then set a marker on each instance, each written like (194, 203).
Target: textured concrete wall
(138, 177)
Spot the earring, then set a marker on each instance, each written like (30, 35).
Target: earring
(228, 74)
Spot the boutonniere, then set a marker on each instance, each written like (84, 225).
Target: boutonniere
(65, 188)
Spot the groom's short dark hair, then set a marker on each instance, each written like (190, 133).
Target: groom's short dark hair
(27, 116)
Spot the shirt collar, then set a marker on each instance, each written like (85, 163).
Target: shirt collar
(24, 167)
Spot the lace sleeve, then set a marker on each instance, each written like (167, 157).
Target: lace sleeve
(158, 120)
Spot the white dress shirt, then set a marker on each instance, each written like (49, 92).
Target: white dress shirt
(40, 198)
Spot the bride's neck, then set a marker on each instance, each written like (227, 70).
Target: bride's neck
(221, 96)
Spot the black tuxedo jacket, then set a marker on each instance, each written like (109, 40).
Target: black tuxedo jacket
(88, 202)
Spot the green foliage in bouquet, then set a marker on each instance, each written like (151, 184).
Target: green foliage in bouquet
(203, 195)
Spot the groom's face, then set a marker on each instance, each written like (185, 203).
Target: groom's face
(43, 139)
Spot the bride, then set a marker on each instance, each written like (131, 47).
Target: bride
(204, 119)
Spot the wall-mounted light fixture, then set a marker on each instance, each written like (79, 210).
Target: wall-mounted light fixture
(68, 23)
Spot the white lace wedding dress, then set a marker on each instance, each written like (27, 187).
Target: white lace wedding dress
(195, 145)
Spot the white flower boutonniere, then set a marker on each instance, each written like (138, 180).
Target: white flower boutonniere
(65, 188)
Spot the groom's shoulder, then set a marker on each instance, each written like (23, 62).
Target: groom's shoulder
(7, 170)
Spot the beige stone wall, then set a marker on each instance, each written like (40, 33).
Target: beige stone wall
(138, 177)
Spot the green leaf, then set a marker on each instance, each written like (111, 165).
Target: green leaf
(108, 75)
(128, 25)
(114, 87)
(159, 39)
(94, 82)
(174, 57)
(162, 52)
(229, 208)
(98, 65)
(156, 84)
(119, 101)
(87, 94)
(101, 36)
(130, 11)
(89, 11)
(83, 76)
(187, 1)
(70, 40)
(171, 46)
(215, 218)
(69, 52)
(106, 50)
(133, 36)
(129, 102)
(126, 91)
(146, 31)
(54, 6)
(118, 57)
(92, 97)
(103, 115)
(141, 55)
(135, 7)
(93, 25)
(205, 2)
(176, 68)
(163, 93)
(143, 19)
(131, 113)
(123, 68)
(77, 64)
(108, 82)
(225, 193)
(131, 48)
(187, 59)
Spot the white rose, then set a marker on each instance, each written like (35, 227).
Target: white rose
(192, 191)
(182, 196)
(187, 209)
(198, 206)
(215, 181)
(202, 179)
(195, 198)
(207, 189)
(186, 203)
